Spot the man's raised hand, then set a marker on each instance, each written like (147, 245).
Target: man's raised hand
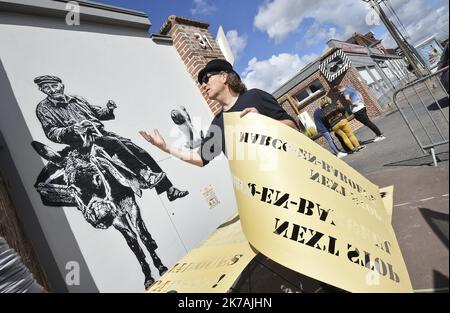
(156, 140)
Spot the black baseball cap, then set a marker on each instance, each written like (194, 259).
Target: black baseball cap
(216, 65)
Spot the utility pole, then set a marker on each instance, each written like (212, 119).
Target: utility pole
(403, 45)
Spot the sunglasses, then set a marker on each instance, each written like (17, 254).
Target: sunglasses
(206, 77)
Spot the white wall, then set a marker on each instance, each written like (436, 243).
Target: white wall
(147, 81)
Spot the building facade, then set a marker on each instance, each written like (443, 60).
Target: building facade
(375, 74)
(196, 47)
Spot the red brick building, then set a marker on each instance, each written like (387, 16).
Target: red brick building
(196, 46)
(372, 72)
(367, 40)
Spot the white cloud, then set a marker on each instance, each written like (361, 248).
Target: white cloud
(279, 18)
(316, 34)
(270, 74)
(237, 43)
(433, 21)
(202, 7)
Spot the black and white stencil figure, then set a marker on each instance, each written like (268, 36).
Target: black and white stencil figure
(182, 118)
(97, 171)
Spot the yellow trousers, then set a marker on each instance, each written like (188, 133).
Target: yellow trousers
(344, 130)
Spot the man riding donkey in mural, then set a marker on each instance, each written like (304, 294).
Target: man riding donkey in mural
(68, 119)
(98, 172)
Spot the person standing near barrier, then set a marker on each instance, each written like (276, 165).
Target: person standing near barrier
(321, 128)
(358, 109)
(334, 116)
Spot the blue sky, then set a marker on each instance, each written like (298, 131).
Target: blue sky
(273, 39)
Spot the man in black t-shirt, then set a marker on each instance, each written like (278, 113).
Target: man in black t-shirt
(223, 84)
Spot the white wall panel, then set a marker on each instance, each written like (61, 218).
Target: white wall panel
(147, 81)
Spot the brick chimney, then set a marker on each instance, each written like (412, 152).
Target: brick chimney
(195, 45)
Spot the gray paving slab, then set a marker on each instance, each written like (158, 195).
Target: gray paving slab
(421, 222)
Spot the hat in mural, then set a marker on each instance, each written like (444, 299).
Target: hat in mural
(216, 65)
(47, 79)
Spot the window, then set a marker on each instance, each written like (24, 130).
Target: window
(310, 92)
(315, 86)
(365, 76)
(302, 95)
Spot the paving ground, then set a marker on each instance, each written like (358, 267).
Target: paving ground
(420, 221)
(421, 202)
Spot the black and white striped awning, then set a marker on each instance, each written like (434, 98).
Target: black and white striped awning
(334, 65)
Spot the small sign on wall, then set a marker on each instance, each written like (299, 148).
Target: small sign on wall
(335, 65)
(203, 41)
(210, 196)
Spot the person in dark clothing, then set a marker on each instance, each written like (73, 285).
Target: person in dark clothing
(323, 129)
(224, 85)
(358, 108)
(334, 117)
(73, 121)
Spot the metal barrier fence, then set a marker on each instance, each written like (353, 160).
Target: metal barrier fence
(424, 107)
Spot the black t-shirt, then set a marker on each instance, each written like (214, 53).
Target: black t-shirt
(333, 114)
(265, 103)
